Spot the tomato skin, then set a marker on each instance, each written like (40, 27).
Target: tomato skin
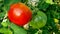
(19, 14)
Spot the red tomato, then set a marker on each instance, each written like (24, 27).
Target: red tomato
(19, 14)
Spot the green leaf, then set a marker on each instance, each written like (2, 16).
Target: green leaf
(0, 0)
(11, 1)
(5, 31)
(8, 3)
(17, 30)
(4, 24)
(39, 32)
(32, 31)
(49, 1)
(2, 14)
(46, 32)
(43, 5)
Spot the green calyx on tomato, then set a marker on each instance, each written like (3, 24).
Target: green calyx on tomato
(39, 20)
(19, 14)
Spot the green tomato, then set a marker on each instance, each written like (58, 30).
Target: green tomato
(39, 20)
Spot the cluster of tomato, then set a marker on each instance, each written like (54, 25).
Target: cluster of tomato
(20, 14)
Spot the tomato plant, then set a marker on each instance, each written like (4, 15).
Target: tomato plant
(35, 16)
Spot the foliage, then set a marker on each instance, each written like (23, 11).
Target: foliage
(50, 8)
